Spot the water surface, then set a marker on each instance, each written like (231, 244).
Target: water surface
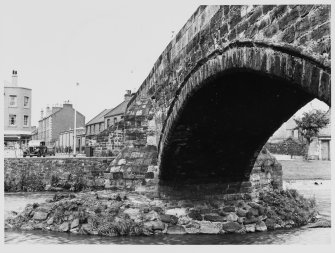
(320, 191)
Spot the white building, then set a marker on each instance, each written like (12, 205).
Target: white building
(17, 113)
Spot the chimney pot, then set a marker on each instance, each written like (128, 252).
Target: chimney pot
(14, 78)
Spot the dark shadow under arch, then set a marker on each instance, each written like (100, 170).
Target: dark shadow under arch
(223, 125)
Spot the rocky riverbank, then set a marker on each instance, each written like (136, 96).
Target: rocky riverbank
(118, 213)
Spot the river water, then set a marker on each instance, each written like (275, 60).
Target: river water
(321, 192)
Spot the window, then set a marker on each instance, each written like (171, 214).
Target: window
(26, 101)
(25, 120)
(115, 120)
(12, 100)
(12, 120)
(108, 122)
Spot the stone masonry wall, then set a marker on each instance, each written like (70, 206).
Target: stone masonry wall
(38, 174)
(130, 172)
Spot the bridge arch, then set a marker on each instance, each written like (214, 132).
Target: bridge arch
(241, 56)
(249, 79)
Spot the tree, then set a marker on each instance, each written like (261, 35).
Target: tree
(310, 124)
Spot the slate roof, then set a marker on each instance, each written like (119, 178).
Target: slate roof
(99, 118)
(119, 109)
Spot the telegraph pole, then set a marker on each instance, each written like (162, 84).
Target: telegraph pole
(75, 129)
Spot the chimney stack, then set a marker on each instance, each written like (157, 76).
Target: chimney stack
(48, 111)
(127, 96)
(14, 78)
(42, 114)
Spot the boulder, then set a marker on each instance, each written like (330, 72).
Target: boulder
(46, 208)
(214, 218)
(241, 220)
(232, 217)
(241, 212)
(260, 226)
(50, 221)
(250, 220)
(229, 209)
(64, 227)
(270, 224)
(74, 230)
(27, 227)
(261, 210)
(39, 226)
(184, 220)
(157, 209)
(254, 205)
(250, 228)
(176, 230)
(40, 216)
(133, 213)
(192, 227)
(145, 209)
(87, 229)
(253, 212)
(75, 223)
(158, 225)
(288, 224)
(152, 215)
(232, 227)
(169, 219)
(154, 225)
(195, 215)
(176, 212)
(207, 227)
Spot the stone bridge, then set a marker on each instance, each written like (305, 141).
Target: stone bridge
(223, 85)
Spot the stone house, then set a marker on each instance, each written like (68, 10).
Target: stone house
(94, 127)
(101, 124)
(56, 120)
(319, 148)
(116, 114)
(320, 145)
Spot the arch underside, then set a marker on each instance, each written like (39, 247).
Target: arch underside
(223, 125)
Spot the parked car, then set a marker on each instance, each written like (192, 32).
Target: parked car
(35, 148)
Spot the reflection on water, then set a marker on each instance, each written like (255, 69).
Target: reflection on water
(321, 192)
(296, 236)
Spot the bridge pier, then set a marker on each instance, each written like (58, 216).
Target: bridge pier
(136, 170)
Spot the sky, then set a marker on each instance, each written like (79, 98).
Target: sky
(106, 46)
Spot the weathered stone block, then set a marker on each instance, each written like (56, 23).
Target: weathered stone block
(232, 227)
(40, 216)
(176, 230)
(288, 19)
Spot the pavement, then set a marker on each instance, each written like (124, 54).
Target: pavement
(306, 170)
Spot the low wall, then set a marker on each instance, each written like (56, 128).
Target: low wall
(131, 173)
(38, 174)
